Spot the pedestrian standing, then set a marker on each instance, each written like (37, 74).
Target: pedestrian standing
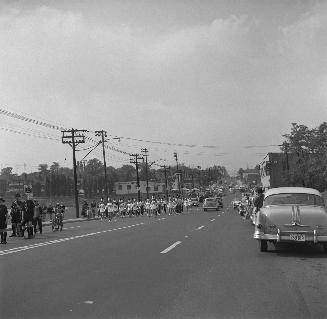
(17, 209)
(28, 217)
(37, 217)
(3, 221)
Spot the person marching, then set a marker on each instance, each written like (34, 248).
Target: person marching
(3, 221)
(110, 210)
(102, 209)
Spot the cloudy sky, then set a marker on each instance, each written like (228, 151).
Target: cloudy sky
(225, 74)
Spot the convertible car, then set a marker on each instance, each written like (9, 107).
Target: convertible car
(291, 214)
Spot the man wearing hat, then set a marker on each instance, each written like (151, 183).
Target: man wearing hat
(28, 217)
(17, 208)
(3, 221)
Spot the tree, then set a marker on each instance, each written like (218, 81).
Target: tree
(126, 173)
(240, 172)
(54, 168)
(6, 171)
(308, 147)
(43, 169)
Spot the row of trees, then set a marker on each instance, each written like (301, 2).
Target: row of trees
(54, 180)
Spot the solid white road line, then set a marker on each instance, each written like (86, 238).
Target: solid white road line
(170, 247)
(200, 227)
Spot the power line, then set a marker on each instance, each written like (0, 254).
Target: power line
(28, 134)
(30, 120)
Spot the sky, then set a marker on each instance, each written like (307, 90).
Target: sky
(220, 80)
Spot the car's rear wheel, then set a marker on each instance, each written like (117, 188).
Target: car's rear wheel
(263, 245)
(324, 246)
(205, 209)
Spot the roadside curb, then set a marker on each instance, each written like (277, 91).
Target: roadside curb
(65, 221)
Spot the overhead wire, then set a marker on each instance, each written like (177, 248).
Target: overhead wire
(28, 134)
(46, 124)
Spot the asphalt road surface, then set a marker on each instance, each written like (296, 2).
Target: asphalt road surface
(194, 265)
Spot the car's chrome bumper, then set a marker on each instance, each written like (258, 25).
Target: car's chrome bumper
(309, 236)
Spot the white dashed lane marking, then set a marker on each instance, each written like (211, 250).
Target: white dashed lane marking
(56, 241)
(200, 227)
(170, 247)
(212, 220)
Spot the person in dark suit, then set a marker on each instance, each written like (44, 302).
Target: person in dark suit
(3, 221)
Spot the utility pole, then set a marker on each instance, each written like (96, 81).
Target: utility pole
(73, 138)
(103, 134)
(135, 161)
(145, 154)
(199, 175)
(166, 182)
(178, 174)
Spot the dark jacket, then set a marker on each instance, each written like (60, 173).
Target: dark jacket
(3, 216)
(258, 201)
(17, 209)
(30, 206)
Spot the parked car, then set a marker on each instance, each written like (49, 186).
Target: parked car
(211, 203)
(291, 214)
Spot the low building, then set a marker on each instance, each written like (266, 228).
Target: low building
(130, 188)
(275, 169)
(251, 176)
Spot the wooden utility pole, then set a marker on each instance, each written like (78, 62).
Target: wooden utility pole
(74, 137)
(166, 181)
(145, 154)
(135, 161)
(179, 175)
(103, 134)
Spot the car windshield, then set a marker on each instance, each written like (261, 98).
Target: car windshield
(210, 199)
(294, 199)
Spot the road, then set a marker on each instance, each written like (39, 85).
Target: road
(194, 265)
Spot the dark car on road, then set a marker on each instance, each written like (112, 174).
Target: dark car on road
(211, 203)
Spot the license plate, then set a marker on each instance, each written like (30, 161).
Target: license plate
(297, 237)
